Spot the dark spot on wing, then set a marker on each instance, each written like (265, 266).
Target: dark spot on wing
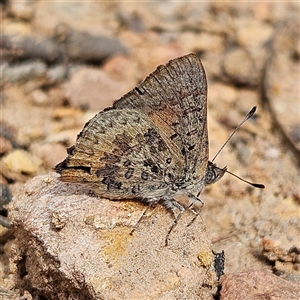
(135, 189)
(192, 132)
(154, 169)
(145, 175)
(139, 91)
(64, 165)
(162, 145)
(190, 110)
(173, 136)
(129, 173)
(148, 162)
(151, 135)
(127, 163)
(153, 150)
(70, 150)
(170, 176)
(111, 183)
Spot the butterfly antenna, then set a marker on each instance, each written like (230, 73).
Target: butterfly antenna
(249, 115)
(257, 185)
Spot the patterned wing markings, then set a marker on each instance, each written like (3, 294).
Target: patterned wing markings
(122, 154)
(178, 107)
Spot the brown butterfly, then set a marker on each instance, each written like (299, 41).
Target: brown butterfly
(152, 144)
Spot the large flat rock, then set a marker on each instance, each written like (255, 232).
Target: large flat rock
(72, 244)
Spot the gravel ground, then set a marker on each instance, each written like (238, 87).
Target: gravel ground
(63, 62)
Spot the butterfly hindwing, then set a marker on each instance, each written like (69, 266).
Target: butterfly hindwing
(122, 154)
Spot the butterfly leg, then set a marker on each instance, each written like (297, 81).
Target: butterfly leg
(172, 204)
(150, 205)
(193, 199)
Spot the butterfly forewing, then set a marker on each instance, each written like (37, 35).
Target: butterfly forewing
(177, 105)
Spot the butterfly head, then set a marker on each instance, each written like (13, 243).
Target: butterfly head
(213, 173)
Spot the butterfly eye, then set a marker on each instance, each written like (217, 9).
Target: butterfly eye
(210, 177)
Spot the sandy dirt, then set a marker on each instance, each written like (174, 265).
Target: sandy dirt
(64, 62)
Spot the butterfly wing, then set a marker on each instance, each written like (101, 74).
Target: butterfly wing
(174, 97)
(153, 138)
(122, 154)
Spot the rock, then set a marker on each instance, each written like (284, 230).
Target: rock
(4, 224)
(20, 161)
(202, 42)
(21, 9)
(239, 67)
(253, 33)
(66, 137)
(123, 69)
(56, 74)
(257, 285)
(93, 89)
(49, 153)
(8, 137)
(285, 262)
(5, 145)
(39, 97)
(277, 92)
(25, 71)
(5, 196)
(32, 47)
(72, 244)
(220, 92)
(83, 46)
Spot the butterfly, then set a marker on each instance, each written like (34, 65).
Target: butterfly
(152, 144)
